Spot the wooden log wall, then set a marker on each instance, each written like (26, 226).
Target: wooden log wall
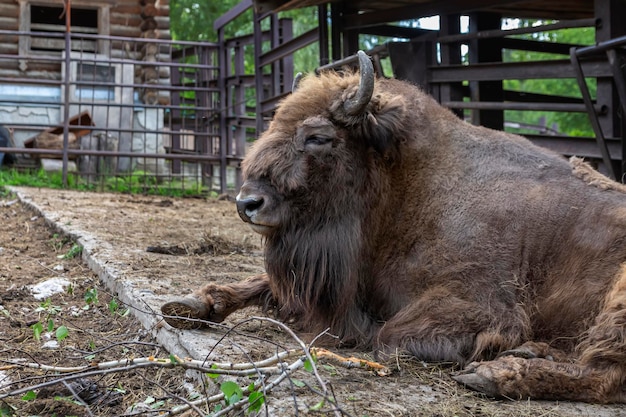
(124, 18)
(152, 15)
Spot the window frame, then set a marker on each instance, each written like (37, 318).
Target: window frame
(103, 8)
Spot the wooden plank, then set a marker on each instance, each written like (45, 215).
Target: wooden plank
(125, 31)
(414, 11)
(8, 48)
(10, 9)
(127, 8)
(125, 20)
(516, 71)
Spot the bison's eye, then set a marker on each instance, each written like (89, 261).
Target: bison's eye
(315, 141)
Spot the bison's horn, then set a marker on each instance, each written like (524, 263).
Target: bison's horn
(296, 81)
(357, 104)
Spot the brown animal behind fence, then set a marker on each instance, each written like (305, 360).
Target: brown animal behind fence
(399, 226)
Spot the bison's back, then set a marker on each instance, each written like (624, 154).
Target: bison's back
(537, 233)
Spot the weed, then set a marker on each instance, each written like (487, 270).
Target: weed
(114, 308)
(7, 410)
(232, 392)
(61, 333)
(37, 330)
(91, 297)
(57, 242)
(75, 251)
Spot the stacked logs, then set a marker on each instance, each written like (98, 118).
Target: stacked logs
(150, 73)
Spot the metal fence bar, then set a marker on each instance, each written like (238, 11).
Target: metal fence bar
(138, 105)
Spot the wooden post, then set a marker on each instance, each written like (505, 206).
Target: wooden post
(610, 17)
(486, 50)
(450, 55)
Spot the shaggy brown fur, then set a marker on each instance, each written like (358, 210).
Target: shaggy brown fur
(405, 227)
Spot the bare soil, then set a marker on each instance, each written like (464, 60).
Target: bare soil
(162, 247)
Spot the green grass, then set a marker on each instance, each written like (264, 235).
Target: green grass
(137, 182)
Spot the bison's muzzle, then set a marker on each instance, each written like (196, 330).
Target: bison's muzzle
(248, 206)
(257, 207)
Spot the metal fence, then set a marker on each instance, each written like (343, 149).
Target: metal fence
(116, 112)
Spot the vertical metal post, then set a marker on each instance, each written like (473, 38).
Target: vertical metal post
(593, 116)
(322, 21)
(224, 106)
(66, 86)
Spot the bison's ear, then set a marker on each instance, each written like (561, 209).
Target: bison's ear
(384, 121)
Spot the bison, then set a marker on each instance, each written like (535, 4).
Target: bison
(399, 226)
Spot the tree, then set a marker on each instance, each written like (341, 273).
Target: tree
(192, 20)
(574, 124)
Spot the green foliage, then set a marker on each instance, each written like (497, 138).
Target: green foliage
(114, 308)
(7, 410)
(192, 20)
(574, 124)
(232, 392)
(153, 403)
(75, 251)
(91, 297)
(256, 399)
(37, 330)
(61, 333)
(135, 182)
(5, 193)
(50, 311)
(29, 396)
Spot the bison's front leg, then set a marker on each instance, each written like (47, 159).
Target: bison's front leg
(441, 326)
(213, 302)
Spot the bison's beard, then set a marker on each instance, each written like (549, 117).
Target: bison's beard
(314, 273)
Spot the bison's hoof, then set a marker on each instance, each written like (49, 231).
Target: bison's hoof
(472, 378)
(185, 313)
(520, 352)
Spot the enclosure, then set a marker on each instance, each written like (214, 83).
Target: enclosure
(130, 109)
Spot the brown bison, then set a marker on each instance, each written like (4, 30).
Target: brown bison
(398, 226)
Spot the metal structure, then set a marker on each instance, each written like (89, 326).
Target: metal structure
(159, 112)
(433, 59)
(156, 132)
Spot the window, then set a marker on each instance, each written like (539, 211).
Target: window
(46, 18)
(99, 79)
(51, 19)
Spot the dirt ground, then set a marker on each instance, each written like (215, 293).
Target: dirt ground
(139, 251)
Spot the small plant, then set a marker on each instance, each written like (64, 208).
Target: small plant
(29, 396)
(57, 242)
(61, 333)
(47, 307)
(7, 410)
(232, 392)
(256, 399)
(75, 251)
(37, 330)
(153, 403)
(114, 308)
(91, 297)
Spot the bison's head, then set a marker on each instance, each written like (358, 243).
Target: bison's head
(322, 156)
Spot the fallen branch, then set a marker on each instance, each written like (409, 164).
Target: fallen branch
(270, 372)
(273, 365)
(350, 362)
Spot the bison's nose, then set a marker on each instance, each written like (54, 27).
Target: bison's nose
(247, 207)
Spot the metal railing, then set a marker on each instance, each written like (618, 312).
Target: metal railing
(115, 108)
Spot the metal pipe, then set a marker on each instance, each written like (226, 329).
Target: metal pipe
(66, 102)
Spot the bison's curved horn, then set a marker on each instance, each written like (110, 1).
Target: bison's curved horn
(357, 104)
(296, 81)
